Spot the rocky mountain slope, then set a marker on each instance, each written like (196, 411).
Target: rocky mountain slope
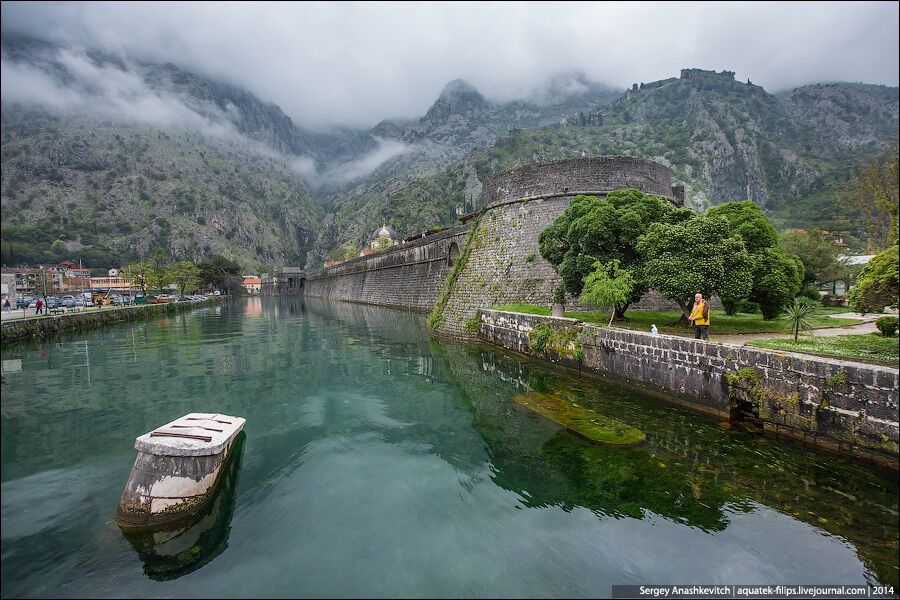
(145, 156)
(724, 139)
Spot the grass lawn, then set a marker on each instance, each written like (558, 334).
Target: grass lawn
(871, 347)
(666, 320)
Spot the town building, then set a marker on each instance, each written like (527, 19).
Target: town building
(252, 284)
(113, 284)
(383, 238)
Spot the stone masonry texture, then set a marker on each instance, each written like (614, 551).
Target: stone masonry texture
(845, 406)
(505, 265)
(407, 276)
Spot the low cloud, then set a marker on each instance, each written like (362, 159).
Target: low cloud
(351, 170)
(83, 86)
(357, 63)
(354, 169)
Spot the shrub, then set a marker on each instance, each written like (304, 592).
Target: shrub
(811, 292)
(559, 295)
(888, 325)
(829, 300)
(877, 284)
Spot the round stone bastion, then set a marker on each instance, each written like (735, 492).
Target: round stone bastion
(572, 176)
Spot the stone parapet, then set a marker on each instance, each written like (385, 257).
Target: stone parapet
(844, 406)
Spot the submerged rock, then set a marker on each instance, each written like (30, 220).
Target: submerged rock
(583, 421)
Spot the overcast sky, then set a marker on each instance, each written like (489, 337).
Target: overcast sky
(355, 64)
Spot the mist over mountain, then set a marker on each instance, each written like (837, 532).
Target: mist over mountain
(114, 158)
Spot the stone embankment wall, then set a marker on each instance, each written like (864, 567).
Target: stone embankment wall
(504, 265)
(407, 276)
(848, 407)
(41, 326)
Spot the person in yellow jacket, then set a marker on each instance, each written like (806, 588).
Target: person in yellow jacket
(700, 317)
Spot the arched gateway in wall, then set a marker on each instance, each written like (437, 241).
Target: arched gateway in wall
(504, 265)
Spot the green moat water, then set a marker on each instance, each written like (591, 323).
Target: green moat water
(380, 462)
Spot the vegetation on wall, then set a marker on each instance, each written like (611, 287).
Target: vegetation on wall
(436, 316)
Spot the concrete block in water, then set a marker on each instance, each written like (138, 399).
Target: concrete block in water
(177, 469)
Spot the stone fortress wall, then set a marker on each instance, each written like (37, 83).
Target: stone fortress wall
(843, 406)
(407, 276)
(505, 265)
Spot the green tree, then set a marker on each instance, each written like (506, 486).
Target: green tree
(382, 243)
(777, 277)
(607, 285)
(698, 255)
(220, 272)
(877, 284)
(342, 253)
(749, 222)
(818, 253)
(593, 229)
(186, 275)
(873, 194)
(138, 273)
(158, 274)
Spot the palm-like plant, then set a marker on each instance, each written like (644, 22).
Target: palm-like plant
(799, 314)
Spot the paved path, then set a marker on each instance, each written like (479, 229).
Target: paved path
(21, 313)
(867, 326)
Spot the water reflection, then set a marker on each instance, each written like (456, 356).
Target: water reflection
(176, 549)
(381, 462)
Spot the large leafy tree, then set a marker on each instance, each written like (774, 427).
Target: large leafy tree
(186, 275)
(158, 272)
(698, 255)
(874, 194)
(877, 285)
(138, 273)
(777, 277)
(749, 222)
(593, 229)
(221, 272)
(817, 251)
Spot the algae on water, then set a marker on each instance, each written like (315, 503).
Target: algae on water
(583, 421)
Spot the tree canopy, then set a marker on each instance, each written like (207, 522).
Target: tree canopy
(777, 276)
(749, 222)
(593, 229)
(877, 285)
(186, 275)
(607, 285)
(698, 255)
(221, 272)
(818, 253)
(874, 194)
(777, 279)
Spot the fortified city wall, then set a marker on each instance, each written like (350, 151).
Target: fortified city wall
(406, 276)
(504, 265)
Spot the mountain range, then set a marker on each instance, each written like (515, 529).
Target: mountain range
(109, 159)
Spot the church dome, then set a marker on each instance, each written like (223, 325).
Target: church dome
(384, 231)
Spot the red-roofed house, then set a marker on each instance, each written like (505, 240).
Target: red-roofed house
(252, 284)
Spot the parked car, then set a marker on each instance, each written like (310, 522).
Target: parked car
(24, 301)
(68, 301)
(53, 302)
